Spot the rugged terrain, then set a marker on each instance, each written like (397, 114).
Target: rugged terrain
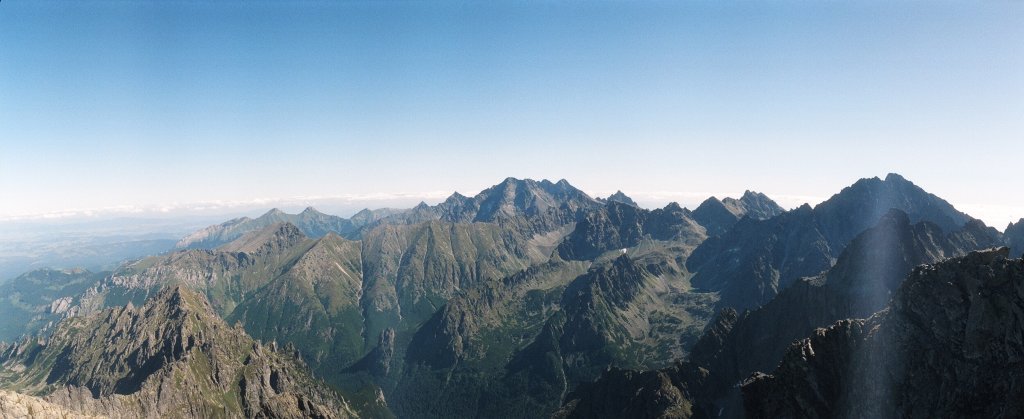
(170, 357)
(948, 345)
(526, 299)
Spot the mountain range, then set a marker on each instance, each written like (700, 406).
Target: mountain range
(527, 299)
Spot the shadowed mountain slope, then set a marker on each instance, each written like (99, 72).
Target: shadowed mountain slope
(948, 345)
(861, 283)
(756, 259)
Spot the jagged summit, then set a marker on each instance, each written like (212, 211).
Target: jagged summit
(717, 216)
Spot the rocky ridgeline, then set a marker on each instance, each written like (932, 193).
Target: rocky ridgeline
(950, 344)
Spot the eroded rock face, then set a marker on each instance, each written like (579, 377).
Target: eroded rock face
(20, 406)
(172, 356)
(950, 344)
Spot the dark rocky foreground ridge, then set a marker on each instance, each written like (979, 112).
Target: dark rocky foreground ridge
(171, 357)
(950, 344)
(509, 303)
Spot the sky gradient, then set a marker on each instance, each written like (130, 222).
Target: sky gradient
(126, 106)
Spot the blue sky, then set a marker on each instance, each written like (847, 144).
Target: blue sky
(122, 106)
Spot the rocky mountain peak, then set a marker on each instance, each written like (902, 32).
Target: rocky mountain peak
(673, 207)
(753, 204)
(620, 197)
(456, 197)
(895, 177)
(859, 206)
(272, 213)
(1014, 237)
(717, 216)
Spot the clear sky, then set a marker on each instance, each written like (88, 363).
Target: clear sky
(150, 105)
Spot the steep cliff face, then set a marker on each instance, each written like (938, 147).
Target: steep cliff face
(950, 344)
(171, 357)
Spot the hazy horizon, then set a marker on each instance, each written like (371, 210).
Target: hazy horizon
(135, 108)
(346, 206)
